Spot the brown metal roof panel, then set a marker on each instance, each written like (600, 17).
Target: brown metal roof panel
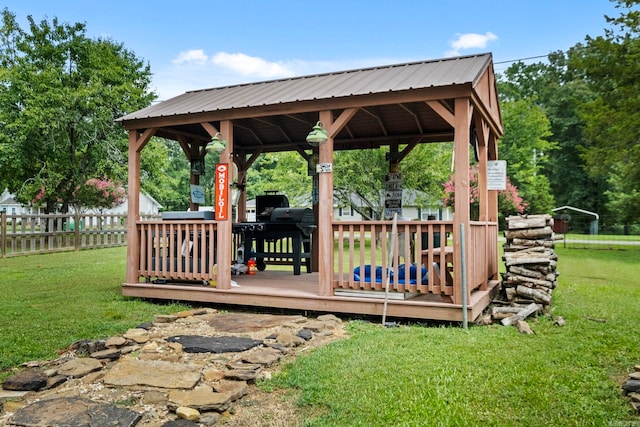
(435, 73)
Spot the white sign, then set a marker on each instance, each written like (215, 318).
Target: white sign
(324, 167)
(497, 175)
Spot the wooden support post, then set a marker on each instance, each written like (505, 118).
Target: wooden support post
(225, 228)
(325, 212)
(136, 144)
(461, 181)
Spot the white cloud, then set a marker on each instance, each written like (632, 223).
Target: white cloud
(470, 41)
(194, 69)
(252, 66)
(193, 56)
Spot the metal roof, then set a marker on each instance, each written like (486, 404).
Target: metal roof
(365, 81)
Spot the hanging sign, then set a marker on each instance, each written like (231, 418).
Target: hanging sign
(197, 194)
(222, 191)
(497, 175)
(393, 195)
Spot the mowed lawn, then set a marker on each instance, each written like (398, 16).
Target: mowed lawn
(412, 375)
(49, 301)
(442, 375)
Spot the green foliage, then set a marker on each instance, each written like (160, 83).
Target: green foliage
(360, 174)
(525, 146)
(611, 67)
(487, 376)
(557, 90)
(284, 172)
(59, 95)
(165, 174)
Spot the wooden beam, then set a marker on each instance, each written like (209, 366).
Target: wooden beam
(211, 129)
(442, 111)
(378, 119)
(414, 115)
(341, 121)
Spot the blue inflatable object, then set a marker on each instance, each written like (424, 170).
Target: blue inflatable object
(380, 275)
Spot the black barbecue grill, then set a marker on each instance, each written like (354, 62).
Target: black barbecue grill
(282, 235)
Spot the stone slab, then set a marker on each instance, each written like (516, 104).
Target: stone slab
(249, 322)
(73, 411)
(79, 367)
(26, 381)
(202, 398)
(154, 373)
(200, 344)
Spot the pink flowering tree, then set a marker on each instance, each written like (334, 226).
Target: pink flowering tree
(509, 201)
(98, 193)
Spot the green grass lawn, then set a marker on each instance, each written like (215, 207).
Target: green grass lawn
(413, 375)
(49, 301)
(489, 376)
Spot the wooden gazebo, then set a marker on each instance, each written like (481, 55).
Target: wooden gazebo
(399, 106)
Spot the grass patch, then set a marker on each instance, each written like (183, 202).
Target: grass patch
(49, 301)
(445, 376)
(407, 376)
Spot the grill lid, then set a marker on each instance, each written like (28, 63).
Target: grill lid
(302, 216)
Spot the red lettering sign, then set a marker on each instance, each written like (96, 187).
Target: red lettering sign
(222, 191)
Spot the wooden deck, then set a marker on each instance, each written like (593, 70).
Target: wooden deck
(282, 289)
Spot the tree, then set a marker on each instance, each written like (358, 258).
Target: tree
(285, 172)
(611, 66)
(360, 174)
(525, 146)
(509, 201)
(558, 89)
(165, 174)
(59, 95)
(98, 193)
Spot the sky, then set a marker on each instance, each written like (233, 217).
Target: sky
(193, 44)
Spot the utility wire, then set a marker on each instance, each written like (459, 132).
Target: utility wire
(521, 59)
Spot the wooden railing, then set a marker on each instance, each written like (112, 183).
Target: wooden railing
(483, 254)
(423, 248)
(177, 250)
(34, 234)
(421, 260)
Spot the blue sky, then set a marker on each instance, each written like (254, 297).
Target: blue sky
(199, 44)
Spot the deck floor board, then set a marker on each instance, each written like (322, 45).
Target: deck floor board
(282, 289)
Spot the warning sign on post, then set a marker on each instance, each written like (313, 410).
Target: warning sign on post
(497, 175)
(393, 195)
(222, 191)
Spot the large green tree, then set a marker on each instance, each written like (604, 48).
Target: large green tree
(60, 92)
(557, 90)
(611, 66)
(526, 146)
